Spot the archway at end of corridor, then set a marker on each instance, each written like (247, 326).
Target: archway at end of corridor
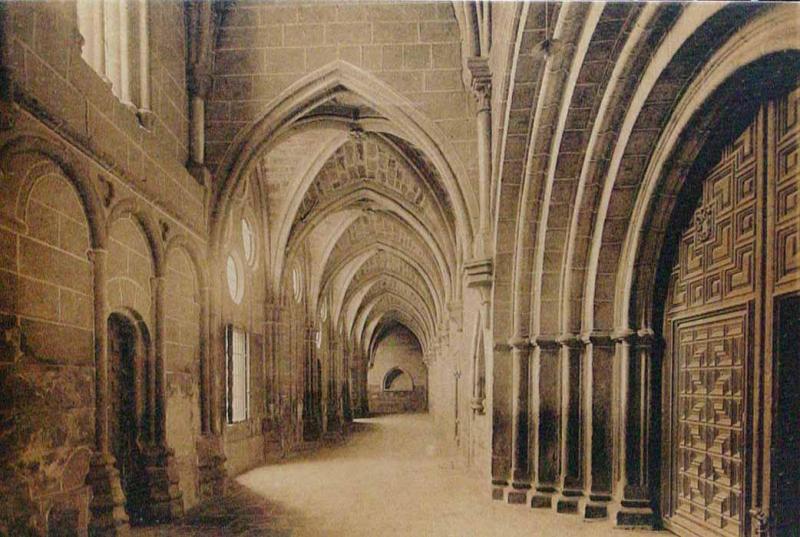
(397, 380)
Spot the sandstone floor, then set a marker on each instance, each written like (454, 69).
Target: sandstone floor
(389, 479)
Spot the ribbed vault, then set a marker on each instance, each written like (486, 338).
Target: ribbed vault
(363, 198)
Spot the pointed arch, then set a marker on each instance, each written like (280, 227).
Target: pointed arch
(313, 89)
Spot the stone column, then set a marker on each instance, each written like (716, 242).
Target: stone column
(205, 370)
(547, 419)
(124, 53)
(199, 84)
(146, 116)
(634, 355)
(98, 38)
(599, 356)
(210, 454)
(108, 500)
(481, 85)
(571, 388)
(501, 426)
(216, 357)
(520, 418)
(165, 498)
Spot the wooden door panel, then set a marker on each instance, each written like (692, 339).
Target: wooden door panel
(710, 356)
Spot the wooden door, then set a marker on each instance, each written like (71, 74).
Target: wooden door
(736, 257)
(709, 333)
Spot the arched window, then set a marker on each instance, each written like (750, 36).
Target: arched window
(116, 45)
(233, 272)
(397, 380)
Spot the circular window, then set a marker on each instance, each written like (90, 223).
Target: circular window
(235, 280)
(297, 284)
(248, 241)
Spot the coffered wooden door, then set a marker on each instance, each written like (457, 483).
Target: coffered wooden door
(738, 253)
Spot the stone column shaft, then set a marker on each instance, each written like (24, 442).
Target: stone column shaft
(634, 358)
(198, 135)
(571, 471)
(205, 373)
(484, 124)
(107, 505)
(124, 53)
(144, 55)
(599, 356)
(98, 258)
(97, 38)
(158, 285)
(217, 354)
(520, 415)
(482, 91)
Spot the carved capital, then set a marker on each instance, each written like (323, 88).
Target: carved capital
(646, 338)
(520, 343)
(571, 341)
(598, 339)
(479, 273)
(624, 335)
(146, 118)
(480, 81)
(548, 341)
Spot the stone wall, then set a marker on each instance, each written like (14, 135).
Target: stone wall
(51, 78)
(266, 47)
(397, 402)
(46, 366)
(398, 350)
(78, 166)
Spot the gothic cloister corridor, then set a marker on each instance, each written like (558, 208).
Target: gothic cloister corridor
(389, 478)
(397, 267)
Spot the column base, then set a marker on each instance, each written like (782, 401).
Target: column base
(518, 493)
(499, 489)
(595, 511)
(211, 467)
(636, 518)
(567, 505)
(165, 499)
(108, 516)
(596, 507)
(541, 500)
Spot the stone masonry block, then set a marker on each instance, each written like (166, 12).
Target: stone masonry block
(438, 32)
(395, 32)
(416, 56)
(347, 32)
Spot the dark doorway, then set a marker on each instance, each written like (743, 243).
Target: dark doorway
(125, 350)
(786, 434)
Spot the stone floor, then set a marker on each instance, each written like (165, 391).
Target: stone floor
(387, 480)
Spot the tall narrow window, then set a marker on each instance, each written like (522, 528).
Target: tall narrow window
(237, 350)
(115, 44)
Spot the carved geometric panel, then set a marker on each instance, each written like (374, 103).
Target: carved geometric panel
(716, 258)
(709, 356)
(787, 176)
